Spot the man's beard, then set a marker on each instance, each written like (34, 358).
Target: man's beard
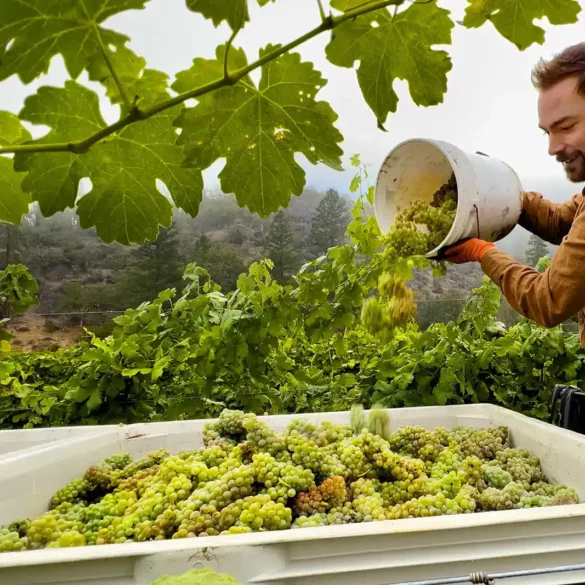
(574, 165)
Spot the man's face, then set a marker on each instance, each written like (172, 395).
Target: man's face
(561, 113)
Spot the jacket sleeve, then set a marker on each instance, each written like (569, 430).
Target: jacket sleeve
(549, 221)
(551, 297)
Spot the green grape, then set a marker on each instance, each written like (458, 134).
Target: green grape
(326, 433)
(261, 436)
(398, 467)
(496, 477)
(396, 307)
(367, 503)
(507, 498)
(231, 424)
(261, 513)
(310, 521)
(483, 443)
(75, 491)
(417, 230)
(352, 457)
(11, 540)
(119, 461)
(101, 476)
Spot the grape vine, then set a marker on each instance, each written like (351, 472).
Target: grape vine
(258, 130)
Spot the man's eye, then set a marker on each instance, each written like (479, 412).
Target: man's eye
(568, 127)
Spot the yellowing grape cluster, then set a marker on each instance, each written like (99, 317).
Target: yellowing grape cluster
(250, 478)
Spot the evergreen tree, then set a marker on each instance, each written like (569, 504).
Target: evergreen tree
(280, 247)
(329, 223)
(153, 267)
(224, 262)
(536, 250)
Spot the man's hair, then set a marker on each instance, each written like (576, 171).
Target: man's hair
(568, 63)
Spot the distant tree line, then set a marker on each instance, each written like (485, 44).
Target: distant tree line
(78, 272)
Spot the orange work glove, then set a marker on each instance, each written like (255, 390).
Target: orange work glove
(473, 250)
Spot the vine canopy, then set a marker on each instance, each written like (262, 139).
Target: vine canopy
(151, 159)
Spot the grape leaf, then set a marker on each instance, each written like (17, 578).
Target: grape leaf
(73, 114)
(14, 202)
(140, 85)
(395, 47)
(11, 130)
(514, 19)
(41, 29)
(124, 204)
(258, 130)
(234, 12)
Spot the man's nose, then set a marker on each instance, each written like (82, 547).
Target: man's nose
(555, 146)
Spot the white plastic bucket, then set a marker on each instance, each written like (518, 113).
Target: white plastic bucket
(489, 191)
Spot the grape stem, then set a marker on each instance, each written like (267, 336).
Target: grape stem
(135, 114)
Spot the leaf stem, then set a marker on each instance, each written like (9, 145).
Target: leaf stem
(226, 73)
(110, 65)
(135, 114)
(321, 11)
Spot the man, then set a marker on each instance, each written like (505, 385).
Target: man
(558, 293)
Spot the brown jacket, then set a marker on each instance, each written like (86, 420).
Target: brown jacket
(558, 293)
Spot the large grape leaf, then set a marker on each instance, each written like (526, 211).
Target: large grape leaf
(258, 130)
(514, 19)
(41, 29)
(14, 202)
(395, 47)
(124, 204)
(73, 114)
(234, 12)
(140, 85)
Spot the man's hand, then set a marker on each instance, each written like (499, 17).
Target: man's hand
(473, 250)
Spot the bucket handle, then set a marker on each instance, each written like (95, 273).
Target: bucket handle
(477, 219)
(475, 206)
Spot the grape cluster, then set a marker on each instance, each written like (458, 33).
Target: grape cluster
(496, 477)
(382, 315)
(421, 226)
(417, 230)
(249, 477)
(330, 494)
(13, 537)
(75, 491)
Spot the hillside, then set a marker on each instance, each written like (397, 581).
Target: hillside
(85, 282)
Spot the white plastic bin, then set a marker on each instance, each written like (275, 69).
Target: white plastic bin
(489, 191)
(26, 440)
(379, 553)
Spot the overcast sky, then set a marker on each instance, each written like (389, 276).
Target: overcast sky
(490, 104)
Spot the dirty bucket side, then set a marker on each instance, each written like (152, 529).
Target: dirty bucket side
(489, 191)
